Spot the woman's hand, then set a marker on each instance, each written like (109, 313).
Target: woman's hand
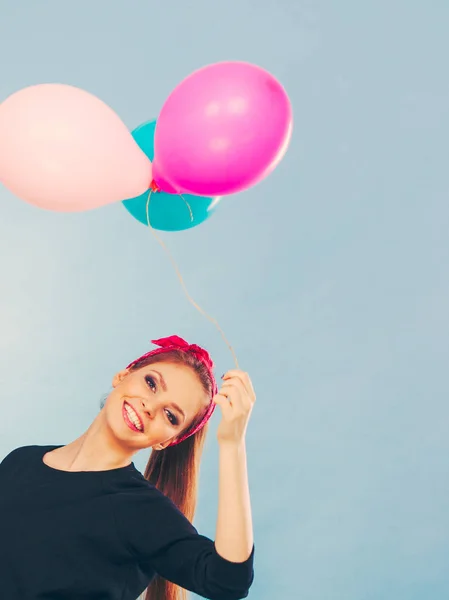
(236, 399)
(234, 537)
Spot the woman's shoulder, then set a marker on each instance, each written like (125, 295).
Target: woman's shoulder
(21, 453)
(137, 495)
(136, 486)
(147, 519)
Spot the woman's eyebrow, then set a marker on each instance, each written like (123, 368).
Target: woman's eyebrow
(163, 384)
(164, 387)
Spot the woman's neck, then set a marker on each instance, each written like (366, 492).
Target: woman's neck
(94, 450)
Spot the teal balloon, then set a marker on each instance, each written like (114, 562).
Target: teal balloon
(167, 212)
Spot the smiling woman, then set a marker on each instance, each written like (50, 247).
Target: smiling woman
(81, 521)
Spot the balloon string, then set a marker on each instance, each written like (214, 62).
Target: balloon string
(175, 266)
(188, 206)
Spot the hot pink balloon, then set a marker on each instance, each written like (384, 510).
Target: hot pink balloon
(222, 130)
(63, 149)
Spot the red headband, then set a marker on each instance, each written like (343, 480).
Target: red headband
(174, 342)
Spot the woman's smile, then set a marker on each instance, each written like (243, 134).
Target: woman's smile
(132, 419)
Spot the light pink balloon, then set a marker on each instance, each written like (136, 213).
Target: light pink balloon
(222, 130)
(63, 149)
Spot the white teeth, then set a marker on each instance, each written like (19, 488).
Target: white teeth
(133, 417)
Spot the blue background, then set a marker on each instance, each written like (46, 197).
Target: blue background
(330, 278)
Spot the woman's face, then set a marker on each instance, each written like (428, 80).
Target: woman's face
(153, 405)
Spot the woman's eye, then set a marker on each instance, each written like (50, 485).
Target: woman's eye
(151, 383)
(171, 417)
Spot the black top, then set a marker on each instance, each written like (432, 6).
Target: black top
(100, 535)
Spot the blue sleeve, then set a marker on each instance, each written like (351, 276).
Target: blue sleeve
(194, 564)
(165, 542)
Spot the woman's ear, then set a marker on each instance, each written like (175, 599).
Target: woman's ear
(162, 446)
(119, 377)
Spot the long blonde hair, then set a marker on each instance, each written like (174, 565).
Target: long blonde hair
(175, 470)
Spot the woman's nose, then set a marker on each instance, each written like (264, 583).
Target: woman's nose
(146, 408)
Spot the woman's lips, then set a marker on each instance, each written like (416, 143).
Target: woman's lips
(128, 420)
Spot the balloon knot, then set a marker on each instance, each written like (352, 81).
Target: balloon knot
(154, 187)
